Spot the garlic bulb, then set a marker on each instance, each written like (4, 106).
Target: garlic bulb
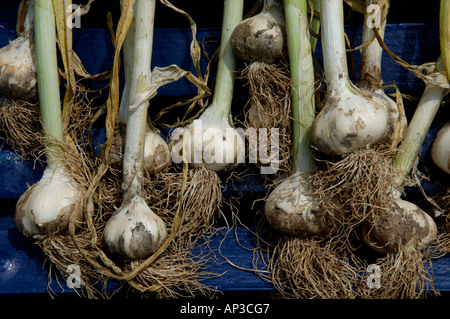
(440, 150)
(134, 231)
(405, 224)
(156, 152)
(290, 210)
(211, 142)
(18, 77)
(261, 37)
(351, 118)
(46, 207)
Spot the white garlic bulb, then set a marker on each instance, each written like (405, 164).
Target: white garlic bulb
(261, 37)
(156, 152)
(440, 150)
(210, 141)
(352, 119)
(46, 207)
(134, 231)
(405, 224)
(291, 210)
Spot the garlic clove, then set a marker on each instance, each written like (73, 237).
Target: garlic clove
(134, 231)
(46, 207)
(290, 210)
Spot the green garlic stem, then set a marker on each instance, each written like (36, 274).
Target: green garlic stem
(223, 90)
(47, 75)
(444, 31)
(427, 108)
(302, 74)
(315, 24)
(424, 114)
(128, 52)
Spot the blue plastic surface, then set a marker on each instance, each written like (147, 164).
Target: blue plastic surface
(23, 271)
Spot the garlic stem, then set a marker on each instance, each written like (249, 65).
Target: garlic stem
(48, 205)
(156, 151)
(128, 53)
(302, 74)
(444, 34)
(371, 55)
(427, 108)
(419, 125)
(333, 43)
(224, 88)
(134, 231)
(289, 208)
(47, 74)
(133, 160)
(315, 24)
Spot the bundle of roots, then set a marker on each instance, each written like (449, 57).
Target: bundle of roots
(310, 268)
(20, 127)
(270, 92)
(354, 190)
(402, 274)
(356, 187)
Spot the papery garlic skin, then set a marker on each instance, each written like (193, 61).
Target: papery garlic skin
(134, 231)
(440, 150)
(352, 119)
(46, 207)
(405, 224)
(291, 210)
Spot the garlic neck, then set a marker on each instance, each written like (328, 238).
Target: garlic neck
(333, 42)
(372, 53)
